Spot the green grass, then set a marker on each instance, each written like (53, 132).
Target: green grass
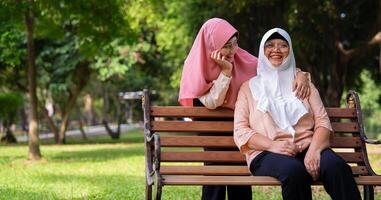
(99, 168)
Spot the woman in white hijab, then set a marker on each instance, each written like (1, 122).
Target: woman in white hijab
(283, 136)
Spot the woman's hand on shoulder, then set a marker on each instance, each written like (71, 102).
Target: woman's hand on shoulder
(283, 147)
(225, 65)
(301, 85)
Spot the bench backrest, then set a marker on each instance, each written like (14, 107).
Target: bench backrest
(181, 142)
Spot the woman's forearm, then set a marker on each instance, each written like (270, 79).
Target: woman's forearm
(259, 142)
(320, 139)
(217, 93)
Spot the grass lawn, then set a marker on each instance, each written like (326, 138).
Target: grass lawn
(99, 168)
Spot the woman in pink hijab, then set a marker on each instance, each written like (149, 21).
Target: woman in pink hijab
(212, 75)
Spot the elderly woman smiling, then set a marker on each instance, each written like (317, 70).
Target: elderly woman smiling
(283, 136)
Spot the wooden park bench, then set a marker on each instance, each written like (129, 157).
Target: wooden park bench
(173, 146)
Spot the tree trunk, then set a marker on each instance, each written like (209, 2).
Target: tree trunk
(63, 127)
(88, 108)
(333, 94)
(8, 137)
(119, 113)
(82, 74)
(106, 107)
(81, 123)
(24, 120)
(113, 134)
(83, 132)
(34, 146)
(65, 116)
(52, 126)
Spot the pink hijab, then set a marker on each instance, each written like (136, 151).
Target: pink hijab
(200, 70)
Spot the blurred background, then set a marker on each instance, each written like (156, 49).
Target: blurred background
(64, 63)
(71, 72)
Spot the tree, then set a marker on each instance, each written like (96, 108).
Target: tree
(84, 26)
(34, 148)
(68, 35)
(336, 36)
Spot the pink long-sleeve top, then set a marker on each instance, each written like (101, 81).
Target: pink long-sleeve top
(249, 121)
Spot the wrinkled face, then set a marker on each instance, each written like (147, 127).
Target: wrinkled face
(230, 48)
(276, 50)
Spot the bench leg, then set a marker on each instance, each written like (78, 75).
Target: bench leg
(368, 192)
(149, 183)
(148, 192)
(158, 192)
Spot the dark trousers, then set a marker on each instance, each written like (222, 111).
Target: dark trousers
(219, 192)
(335, 174)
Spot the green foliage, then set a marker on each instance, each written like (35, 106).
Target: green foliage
(11, 11)
(369, 96)
(95, 23)
(57, 61)
(10, 51)
(12, 55)
(9, 105)
(115, 60)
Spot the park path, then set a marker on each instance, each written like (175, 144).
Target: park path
(90, 131)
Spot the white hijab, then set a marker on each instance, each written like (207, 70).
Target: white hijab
(272, 87)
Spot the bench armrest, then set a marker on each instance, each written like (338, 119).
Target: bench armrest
(372, 141)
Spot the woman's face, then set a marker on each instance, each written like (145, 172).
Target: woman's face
(276, 50)
(229, 49)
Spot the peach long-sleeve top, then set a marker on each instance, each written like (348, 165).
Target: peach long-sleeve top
(249, 121)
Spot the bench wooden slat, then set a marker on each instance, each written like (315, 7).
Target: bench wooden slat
(247, 180)
(221, 126)
(179, 111)
(202, 156)
(346, 142)
(196, 126)
(226, 170)
(227, 141)
(231, 156)
(219, 180)
(341, 112)
(205, 170)
(351, 157)
(345, 127)
(197, 141)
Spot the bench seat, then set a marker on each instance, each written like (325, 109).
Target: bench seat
(245, 180)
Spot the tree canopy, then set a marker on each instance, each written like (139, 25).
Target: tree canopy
(117, 45)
